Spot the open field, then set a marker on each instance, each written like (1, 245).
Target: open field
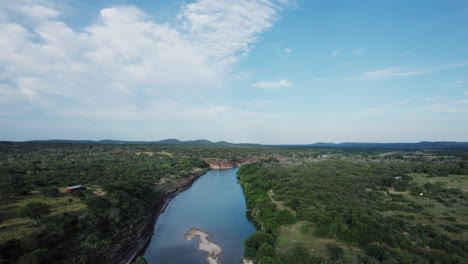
(435, 212)
(13, 226)
(302, 233)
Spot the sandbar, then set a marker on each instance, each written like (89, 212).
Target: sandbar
(205, 245)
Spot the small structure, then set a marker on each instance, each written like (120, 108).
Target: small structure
(75, 188)
(398, 178)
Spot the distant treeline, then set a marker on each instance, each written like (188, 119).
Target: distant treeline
(425, 145)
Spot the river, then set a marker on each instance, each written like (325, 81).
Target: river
(214, 203)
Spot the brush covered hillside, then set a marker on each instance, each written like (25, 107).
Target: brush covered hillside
(41, 223)
(359, 207)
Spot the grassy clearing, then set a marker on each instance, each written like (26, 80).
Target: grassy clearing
(434, 212)
(302, 233)
(13, 226)
(279, 204)
(452, 181)
(150, 153)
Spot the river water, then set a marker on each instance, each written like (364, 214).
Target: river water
(215, 204)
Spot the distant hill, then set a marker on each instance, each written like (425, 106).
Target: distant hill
(199, 142)
(425, 145)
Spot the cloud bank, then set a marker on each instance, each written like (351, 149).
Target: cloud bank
(272, 84)
(123, 66)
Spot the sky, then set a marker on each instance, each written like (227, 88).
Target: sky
(257, 71)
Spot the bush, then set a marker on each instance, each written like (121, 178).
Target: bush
(376, 250)
(335, 252)
(255, 241)
(140, 260)
(265, 250)
(34, 211)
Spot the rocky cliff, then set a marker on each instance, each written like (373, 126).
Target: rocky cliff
(222, 164)
(126, 250)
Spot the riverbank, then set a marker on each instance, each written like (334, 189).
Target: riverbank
(129, 248)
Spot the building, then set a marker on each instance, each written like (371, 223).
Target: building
(71, 189)
(398, 178)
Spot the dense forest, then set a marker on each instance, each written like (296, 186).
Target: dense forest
(40, 222)
(311, 205)
(358, 208)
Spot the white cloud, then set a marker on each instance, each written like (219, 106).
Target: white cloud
(465, 92)
(358, 52)
(464, 101)
(439, 108)
(455, 83)
(30, 11)
(399, 73)
(272, 84)
(429, 99)
(334, 54)
(241, 76)
(225, 29)
(383, 109)
(255, 104)
(288, 50)
(123, 65)
(388, 74)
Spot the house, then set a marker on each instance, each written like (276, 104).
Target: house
(71, 189)
(398, 178)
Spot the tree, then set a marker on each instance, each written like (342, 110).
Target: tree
(36, 257)
(34, 211)
(335, 252)
(140, 260)
(98, 205)
(285, 217)
(376, 250)
(265, 250)
(6, 191)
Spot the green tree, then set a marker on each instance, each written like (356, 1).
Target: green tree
(140, 260)
(265, 250)
(34, 211)
(335, 252)
(38, 256)
(6, 191)
(376, 250)
(98, 205)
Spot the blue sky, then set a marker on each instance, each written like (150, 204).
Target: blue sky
(265, 71)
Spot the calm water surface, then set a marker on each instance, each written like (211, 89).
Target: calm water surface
(215, 203)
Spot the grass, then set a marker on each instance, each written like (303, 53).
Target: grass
(13, 226)
(149, 153)
(452, 181)
(279, 204)
(302, 233)
(434, 212)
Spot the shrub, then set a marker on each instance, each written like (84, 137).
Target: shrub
(335, 252)
(34, 211)
(376, 250)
